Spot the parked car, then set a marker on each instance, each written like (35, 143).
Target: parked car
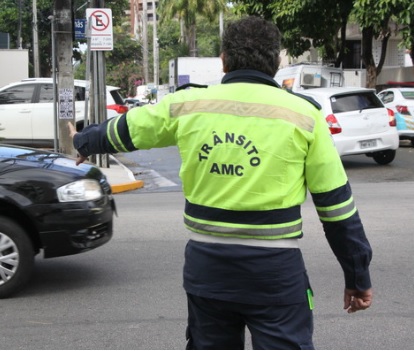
(401, 101)
(48, 205)
(26, 110)
(358, 121)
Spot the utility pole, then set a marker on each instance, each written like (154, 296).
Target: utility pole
(64, 53)
(221, 23)
(35, 41)
(19, 30)
(155, 45)
(145, 40)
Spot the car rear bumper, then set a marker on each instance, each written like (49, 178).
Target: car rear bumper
(361, 145)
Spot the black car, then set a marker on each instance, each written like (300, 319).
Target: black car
(48, 205)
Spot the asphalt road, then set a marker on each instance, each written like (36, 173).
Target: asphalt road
(128, 295)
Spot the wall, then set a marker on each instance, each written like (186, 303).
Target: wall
(357, 77)
(14, 65)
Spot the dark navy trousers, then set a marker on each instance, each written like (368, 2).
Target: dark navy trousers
(215, 324)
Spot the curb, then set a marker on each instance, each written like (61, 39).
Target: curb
(133, 185)
(122, 187)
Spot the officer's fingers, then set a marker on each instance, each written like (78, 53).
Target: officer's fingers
(358, 304)
(348, 296)
(72, 129)
(361, 303)
(80, 159)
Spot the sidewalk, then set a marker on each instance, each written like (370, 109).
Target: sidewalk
(120, 177)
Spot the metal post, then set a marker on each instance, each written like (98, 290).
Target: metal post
(98, 90)
(87, 73)
(55, 119)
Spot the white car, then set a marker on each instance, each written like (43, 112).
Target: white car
(26, 110)
(401, 101)
(358, 121)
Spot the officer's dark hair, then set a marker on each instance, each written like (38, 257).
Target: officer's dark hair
(251, 43)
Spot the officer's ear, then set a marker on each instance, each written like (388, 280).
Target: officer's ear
(223, 60)
(278, 62)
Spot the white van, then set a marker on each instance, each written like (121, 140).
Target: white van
(307, 76)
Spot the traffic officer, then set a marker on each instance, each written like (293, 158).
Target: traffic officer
(250, 152)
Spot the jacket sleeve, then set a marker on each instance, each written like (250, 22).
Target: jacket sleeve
(332, 196)
(104, 138)
(346, 235)
(142, 128)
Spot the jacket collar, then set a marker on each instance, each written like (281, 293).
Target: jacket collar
(257, 77)
(249, 76)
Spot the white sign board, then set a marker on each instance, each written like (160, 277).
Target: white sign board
(65, 103)
(100, 24)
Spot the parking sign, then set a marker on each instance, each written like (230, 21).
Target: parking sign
(101, 29)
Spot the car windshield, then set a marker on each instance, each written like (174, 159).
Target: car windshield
(354, 102)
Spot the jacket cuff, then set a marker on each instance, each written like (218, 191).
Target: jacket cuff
(80, 143)
(361, 281)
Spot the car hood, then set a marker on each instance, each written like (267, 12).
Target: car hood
(17, 159)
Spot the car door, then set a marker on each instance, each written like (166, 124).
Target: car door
(16, 106)
(43, 125)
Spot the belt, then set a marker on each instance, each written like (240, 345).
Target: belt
(280, 243)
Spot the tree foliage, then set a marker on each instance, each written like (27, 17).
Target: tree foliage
(302, 22)
(187, 11)
(320, 21)
(18, 14)
(375, 19)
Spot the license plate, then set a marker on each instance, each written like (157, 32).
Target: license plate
(366, 144)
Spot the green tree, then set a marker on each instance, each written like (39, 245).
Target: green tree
(375, 23)
(305, 23)
(18, 14)
(170, 46)
(187, 11)
(318, 20)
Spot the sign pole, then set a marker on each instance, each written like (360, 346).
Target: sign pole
(101, 39)
(64, 49)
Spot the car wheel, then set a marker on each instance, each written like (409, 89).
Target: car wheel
(412, 142)
(16, 257)
(384, 157)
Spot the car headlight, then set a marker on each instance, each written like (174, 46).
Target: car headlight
(81, 190)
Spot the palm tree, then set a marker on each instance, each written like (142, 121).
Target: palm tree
(187, 11)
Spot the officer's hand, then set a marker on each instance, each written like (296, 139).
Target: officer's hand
(355, 300)
(72, 131)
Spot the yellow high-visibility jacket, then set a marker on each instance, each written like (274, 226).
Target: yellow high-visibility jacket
(250, 152)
